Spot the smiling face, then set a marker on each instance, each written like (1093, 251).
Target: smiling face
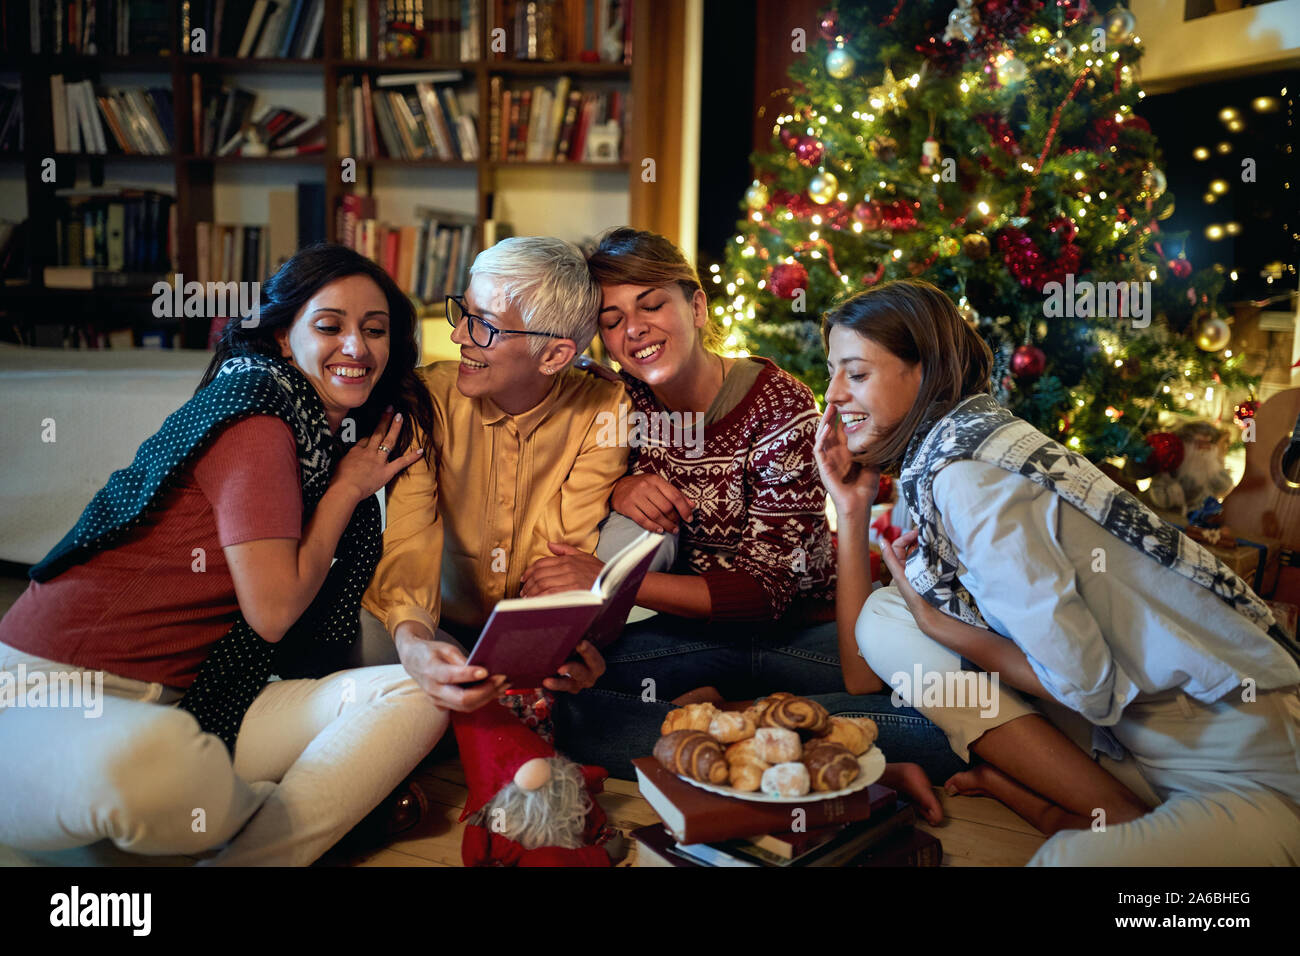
(652, 331)
(507, 371)
(872, 388)
(339, 341)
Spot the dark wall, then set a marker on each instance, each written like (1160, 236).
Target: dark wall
(1267, 212)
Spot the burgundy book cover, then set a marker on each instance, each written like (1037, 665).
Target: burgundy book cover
(529, 645)
(704, 817)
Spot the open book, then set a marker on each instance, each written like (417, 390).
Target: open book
(527, 639)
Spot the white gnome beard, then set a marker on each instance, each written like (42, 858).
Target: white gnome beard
(552, 815)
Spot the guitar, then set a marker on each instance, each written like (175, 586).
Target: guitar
(1265, 505)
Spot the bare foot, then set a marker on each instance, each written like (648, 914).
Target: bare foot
(980, 780)
(910, 780)
(701, 695)
(986, 780)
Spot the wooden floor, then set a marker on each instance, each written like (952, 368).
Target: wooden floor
(976, 831)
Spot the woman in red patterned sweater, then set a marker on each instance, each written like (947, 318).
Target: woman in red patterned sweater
(723, 458)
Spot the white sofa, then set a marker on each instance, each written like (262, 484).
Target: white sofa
(103, 405)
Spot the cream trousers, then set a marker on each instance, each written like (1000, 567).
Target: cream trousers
(1224, 778)
(312, 758)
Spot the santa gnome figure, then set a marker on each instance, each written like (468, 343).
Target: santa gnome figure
(527, 805)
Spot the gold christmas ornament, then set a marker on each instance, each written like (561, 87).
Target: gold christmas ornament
(840, 63)
(975, 245)
(822, 187)
(756, 196)
(1212, 334)
(889, 94)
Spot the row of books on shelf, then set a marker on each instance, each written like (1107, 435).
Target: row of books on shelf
(287, 29)
(867, 828)
(588, 31)
(231, 121)
(444, 30)
(11, 119)
(428, 261)
(250, 252)
(115, 229)
(99, 27)
(408, 115)
(556, 123)
(138, 121)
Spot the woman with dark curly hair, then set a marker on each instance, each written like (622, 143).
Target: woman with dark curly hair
(243, 533)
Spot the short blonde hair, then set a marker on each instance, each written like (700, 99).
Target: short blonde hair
(548, 281)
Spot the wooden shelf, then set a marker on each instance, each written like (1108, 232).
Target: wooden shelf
(161, 62)
(619, 167)
(252, 64)
(155, 157)
(312, 159)
(196, 178)
(616, 70)
(405, 66)
(389, 161)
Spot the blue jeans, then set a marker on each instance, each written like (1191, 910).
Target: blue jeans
(660, 659)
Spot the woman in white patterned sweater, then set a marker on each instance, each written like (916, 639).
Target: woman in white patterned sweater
(1160, 655)
(725, 464)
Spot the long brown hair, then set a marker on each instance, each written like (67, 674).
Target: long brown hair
(917, 322)
(627, 256)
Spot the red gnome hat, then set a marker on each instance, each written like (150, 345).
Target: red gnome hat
(494, 745)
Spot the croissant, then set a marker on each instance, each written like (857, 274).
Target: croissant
(690, 717)
(759, 707)
(728, 726)
(855, 733)
(830, 766)
(692, 753)
(744, 766)
(796, 713)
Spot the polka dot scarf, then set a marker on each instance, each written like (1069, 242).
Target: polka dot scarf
(240, 663)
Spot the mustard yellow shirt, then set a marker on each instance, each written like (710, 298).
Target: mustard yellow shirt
(460, 535)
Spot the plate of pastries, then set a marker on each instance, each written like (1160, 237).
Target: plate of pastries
(782, 749)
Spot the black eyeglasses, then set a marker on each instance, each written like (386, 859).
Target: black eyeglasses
(479, 327)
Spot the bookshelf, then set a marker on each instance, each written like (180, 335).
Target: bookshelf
(480, 185)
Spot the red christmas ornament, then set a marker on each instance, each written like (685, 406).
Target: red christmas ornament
(829, 27)
(1073, 10)
(787, 278)
(898, 216)
(1028, 362)
(1242, 412)
(1166, 450)
(809, 150)
(867, 212)
(1180, 267)
(1000, 133)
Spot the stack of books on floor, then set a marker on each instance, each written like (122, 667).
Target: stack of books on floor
(870, 828)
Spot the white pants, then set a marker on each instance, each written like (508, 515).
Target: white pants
(312, 758)
(1224, 777)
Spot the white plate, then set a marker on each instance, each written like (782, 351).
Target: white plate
(872, 763)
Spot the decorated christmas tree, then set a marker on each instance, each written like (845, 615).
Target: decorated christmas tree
(997, 149)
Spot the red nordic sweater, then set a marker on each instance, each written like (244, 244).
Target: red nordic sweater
(758, 533)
